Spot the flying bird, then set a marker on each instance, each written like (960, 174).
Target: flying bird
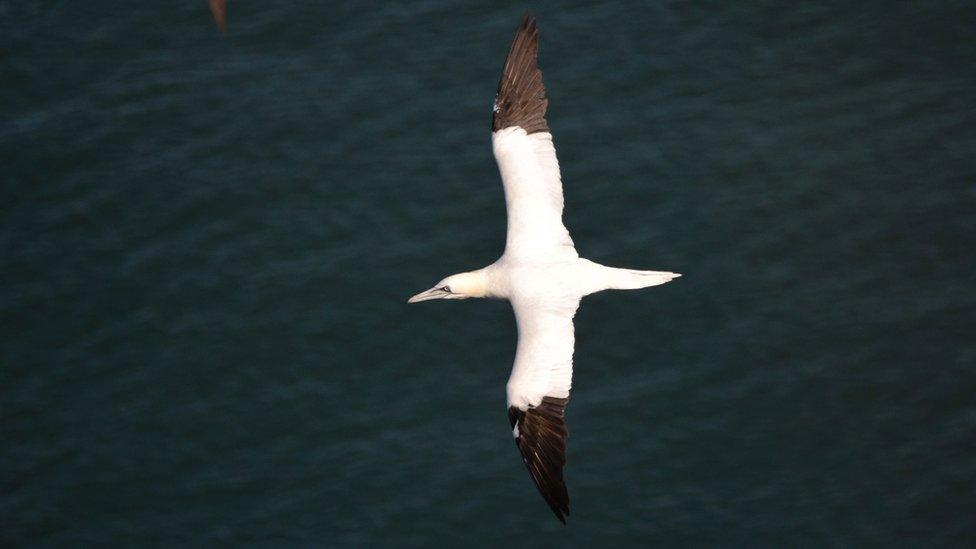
(540, 273)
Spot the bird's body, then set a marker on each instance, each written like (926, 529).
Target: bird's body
(540, 273)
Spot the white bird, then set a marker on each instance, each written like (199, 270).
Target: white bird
(539, 273)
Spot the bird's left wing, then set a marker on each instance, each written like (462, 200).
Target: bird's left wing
(538, 391)
(526, 156)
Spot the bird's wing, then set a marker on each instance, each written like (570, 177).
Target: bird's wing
(526, 156)
(538, 391)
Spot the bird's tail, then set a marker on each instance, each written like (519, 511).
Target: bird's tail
(630, 279)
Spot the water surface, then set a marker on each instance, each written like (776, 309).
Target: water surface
(208, 241)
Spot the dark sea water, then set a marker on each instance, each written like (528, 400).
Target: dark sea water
(208, 240)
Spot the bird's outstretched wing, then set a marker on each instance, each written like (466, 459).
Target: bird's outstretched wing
(538, 391)
(526, 156)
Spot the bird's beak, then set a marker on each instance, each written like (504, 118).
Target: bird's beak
(433, 293)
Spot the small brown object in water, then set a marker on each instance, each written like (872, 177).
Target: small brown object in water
(219, 10)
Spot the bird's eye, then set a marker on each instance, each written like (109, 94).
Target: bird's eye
(446, 289)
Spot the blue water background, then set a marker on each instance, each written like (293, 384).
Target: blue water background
(207, 242)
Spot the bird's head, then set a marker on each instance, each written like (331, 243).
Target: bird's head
(459, 286)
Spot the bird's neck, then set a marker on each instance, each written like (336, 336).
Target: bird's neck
(473, 283)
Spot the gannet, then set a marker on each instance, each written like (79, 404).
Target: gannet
(539, 273)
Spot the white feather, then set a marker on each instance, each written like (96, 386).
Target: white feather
(533, 194)
(544, 356)
(540, 272)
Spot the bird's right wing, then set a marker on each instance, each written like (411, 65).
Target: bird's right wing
(538, 391)
(526, 156)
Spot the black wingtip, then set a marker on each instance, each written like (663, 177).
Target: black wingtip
(559, 508)
(528, 24)
(540, 435)
(521, 98)
(561, 515)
